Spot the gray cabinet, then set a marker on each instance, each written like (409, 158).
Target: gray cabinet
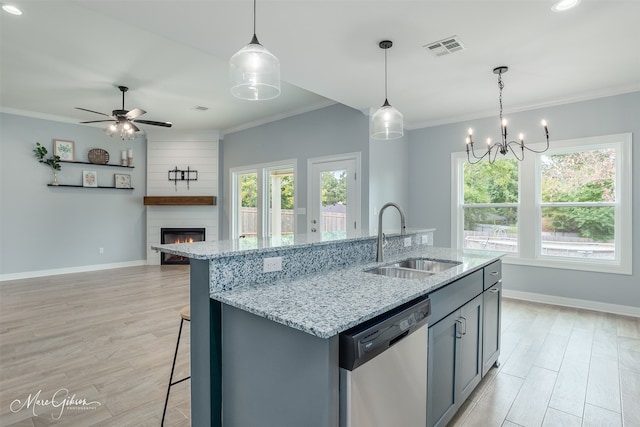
(492, 314)
(454, 361)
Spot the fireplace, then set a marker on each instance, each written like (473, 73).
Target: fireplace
(179, 235)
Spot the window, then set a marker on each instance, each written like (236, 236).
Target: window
(263, 200)
(569, 207)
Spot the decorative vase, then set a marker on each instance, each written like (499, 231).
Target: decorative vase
(55, 178)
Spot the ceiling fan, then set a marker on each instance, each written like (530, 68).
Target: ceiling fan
(123, 120)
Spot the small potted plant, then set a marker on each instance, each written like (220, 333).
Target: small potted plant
(53, 162)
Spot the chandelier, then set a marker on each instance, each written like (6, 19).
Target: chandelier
(122, 129)
(504, 145)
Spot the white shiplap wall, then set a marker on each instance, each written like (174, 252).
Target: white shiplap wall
(165, 151)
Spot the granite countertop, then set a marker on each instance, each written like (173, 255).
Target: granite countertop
(331, 302)
(224, 248)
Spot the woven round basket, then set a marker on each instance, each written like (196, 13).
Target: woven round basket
(98, 156)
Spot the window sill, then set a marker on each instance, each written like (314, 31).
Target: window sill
(565, 264)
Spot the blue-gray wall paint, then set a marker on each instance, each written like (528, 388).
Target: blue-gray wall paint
(329, 131)
(45, 228)
(430, 176)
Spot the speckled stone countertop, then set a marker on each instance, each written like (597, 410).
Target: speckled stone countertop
(326, 304)
(323, 288)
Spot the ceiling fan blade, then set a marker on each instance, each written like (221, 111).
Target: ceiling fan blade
(136, 112)
(150, 122)
(98, 121)
(91, 111)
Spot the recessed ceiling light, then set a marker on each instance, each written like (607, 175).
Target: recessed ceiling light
(563, 5)
(11, 9)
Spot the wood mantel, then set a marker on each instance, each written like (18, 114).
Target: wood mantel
(180, 200)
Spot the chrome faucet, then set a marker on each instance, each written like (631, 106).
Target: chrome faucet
(380, 252)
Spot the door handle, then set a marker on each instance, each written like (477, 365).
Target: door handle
(313, 230)
(313, 221)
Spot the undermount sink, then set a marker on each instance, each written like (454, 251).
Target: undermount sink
(425, 264)
(414, 268)
(400, 272)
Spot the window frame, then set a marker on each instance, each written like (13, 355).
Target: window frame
(530, 206)
(262, 171)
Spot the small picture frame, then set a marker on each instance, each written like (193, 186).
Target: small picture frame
(122, 180)
(65, 149)
(89, 179)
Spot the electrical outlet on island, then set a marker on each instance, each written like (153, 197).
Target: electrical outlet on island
(272, 264)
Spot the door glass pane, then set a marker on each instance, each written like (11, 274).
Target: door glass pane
(248, 201)
(333, 220)
(491, 228)
(281, 203)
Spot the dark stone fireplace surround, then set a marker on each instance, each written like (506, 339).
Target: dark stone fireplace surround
(179, 235)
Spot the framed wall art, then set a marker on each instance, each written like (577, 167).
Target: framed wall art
(65, 149)
(122, 180)
(89, 179)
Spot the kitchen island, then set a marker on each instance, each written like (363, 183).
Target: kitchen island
(264, 346)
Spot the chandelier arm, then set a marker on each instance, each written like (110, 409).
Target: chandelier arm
(539, 151)
(515, 154)
(478, 159)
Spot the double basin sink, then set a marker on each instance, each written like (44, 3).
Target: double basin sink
(414, 268)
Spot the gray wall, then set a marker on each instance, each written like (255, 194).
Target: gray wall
(430, 172)
(332, 130)
(44, 228)
(388, 178)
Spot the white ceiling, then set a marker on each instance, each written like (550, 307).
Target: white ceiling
(173, 55)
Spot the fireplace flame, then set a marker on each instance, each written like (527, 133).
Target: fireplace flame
(189, 240)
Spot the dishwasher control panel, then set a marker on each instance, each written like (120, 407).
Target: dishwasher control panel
(363, 342)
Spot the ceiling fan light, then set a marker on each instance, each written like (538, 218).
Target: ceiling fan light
(254, 73)
(386, 123)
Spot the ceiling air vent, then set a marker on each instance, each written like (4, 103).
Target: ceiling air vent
(445, 46)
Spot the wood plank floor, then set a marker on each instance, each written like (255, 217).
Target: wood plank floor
(109, 337)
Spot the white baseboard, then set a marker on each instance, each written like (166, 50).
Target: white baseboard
(68, 270)
(624, 310)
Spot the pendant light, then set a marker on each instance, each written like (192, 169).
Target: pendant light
(254, 71)
(386, 122)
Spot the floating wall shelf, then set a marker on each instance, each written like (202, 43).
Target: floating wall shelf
(82, 186)
(180, 200)
(99, 164)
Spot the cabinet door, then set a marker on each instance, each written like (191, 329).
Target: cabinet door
(491, 337)
(442, 348)
(469, 357)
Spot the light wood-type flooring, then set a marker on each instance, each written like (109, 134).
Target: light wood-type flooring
(109, 337)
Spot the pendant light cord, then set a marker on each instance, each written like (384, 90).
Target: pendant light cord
(385, 74)
(254, 18)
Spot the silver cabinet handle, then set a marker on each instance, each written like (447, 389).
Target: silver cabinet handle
(464, 332)
(495, 273)
(459, 333)
(493, 290)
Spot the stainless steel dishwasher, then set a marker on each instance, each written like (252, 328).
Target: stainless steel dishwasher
(383, 369)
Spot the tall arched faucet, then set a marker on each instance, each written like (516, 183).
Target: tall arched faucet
(380, 252)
